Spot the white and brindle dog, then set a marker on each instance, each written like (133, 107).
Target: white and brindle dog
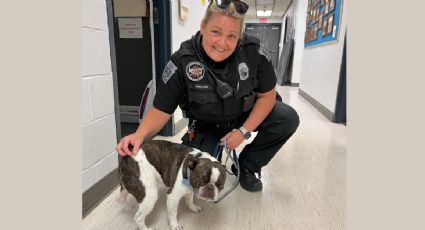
(186, 171)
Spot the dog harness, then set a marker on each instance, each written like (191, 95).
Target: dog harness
(186, 181)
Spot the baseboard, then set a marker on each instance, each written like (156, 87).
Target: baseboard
(291, 84)
(326, 112)
(99, 191)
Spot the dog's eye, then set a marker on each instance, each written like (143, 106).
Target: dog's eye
(206, 179)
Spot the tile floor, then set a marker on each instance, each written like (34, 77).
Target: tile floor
(304, 187)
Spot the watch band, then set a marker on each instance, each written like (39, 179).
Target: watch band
(246, 134)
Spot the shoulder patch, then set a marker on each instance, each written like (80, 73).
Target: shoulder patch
(263, 51)
(195, 71)
(169, 70)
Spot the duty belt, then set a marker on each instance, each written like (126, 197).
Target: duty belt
(222, 125)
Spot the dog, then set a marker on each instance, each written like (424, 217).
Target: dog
(184, 170)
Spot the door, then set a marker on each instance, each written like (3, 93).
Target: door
(271, 38)
(269, 35)
(133, 53)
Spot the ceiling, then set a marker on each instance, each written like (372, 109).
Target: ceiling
(278, 8)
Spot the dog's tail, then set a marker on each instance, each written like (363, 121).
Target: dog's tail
(122, 163)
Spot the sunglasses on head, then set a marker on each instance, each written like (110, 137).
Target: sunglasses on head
(241, 7)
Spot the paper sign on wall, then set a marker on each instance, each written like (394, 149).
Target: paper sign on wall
(130, 27)
(184, 6)
(130, 8)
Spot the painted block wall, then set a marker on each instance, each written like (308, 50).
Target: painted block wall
(98, 119)
(318, 67)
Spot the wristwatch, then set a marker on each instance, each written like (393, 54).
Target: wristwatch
(245, 132)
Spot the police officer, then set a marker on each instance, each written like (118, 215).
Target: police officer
(224, 82)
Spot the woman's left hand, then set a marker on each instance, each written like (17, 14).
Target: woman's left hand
(234, 139)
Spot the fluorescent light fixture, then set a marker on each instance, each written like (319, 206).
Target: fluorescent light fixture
(264, 13)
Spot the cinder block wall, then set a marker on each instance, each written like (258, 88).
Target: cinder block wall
(98, 119)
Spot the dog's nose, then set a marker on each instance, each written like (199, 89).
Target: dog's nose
(210, 188)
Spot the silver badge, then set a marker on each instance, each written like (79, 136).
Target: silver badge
(169, 70)
(263, 51)
(195, 71)
(243, 71)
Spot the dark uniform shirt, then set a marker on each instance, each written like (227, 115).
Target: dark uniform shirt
(190, 79)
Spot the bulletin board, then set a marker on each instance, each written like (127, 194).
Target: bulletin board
(323, 21)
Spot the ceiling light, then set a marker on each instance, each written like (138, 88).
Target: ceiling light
(264, 13)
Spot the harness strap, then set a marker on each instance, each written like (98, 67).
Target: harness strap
(186, 181)
(186, 171)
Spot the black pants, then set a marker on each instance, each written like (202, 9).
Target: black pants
(272, 134)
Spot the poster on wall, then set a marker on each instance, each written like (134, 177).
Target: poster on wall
(130, 27)
(323, 21)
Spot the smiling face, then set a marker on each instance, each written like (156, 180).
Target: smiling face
(220, 36)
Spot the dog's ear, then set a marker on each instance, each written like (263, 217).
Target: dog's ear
(191, 163)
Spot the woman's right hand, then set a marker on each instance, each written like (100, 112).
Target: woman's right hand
(130, 140)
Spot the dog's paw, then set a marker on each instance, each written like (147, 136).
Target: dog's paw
(144, 227)
(195, 208)
(148, 228)
(121, 198)
(176, 227)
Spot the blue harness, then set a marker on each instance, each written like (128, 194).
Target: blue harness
(186, 181)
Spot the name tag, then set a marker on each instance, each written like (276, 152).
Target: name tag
(202, 87)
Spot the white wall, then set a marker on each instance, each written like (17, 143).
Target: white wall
(98, 119)
(290, 12)
(321, 65)
(300, 12)
(297, 13)
(183, 30)
(316, 69)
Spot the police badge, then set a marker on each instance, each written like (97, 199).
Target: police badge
(243, 71)
(195, 71)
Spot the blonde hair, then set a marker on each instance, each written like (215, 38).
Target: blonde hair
(230, 11)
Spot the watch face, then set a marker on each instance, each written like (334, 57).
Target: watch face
(247, 135)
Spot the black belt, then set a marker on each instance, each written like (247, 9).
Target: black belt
(216, 127)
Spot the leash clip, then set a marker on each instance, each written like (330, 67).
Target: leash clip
(191, 131)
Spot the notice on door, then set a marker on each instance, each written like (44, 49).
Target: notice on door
(130, 27)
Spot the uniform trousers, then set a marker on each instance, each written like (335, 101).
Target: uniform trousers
(273, 132)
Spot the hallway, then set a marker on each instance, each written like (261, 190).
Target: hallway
(304, 186)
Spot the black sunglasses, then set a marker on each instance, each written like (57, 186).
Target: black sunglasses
(241, 7)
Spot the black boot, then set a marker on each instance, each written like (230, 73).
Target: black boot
(248, 180)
